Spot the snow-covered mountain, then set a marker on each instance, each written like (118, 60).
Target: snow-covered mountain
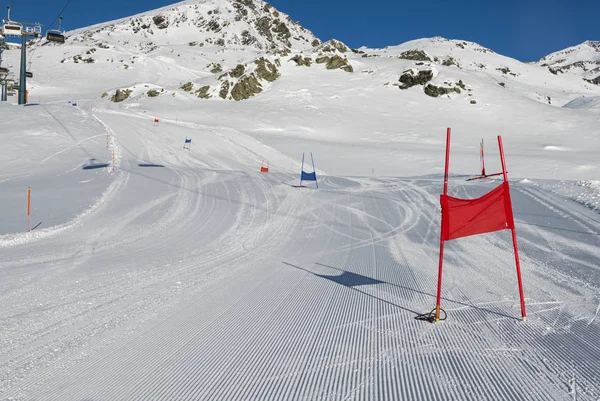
(215, 45)
(582, 60)
(225, 23)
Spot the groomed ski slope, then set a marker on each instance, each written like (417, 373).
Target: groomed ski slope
(194, 277)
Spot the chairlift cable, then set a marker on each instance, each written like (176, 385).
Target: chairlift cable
(60, 14)
(58, 18)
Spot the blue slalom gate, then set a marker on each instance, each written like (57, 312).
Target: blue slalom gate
(304, 176)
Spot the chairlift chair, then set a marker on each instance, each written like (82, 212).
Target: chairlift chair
(56, 35)
(11, 28)
(3, 71)
(29, 74)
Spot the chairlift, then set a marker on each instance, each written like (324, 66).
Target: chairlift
(12, 28)
(3, 71)
(56, 35)
(29, 74)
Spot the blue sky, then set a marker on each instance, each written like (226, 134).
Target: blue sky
(525, 29)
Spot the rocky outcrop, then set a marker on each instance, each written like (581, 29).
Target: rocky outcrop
(246, 87)
(202, 93)
(215, 68)
(413, 77)
(224, 90)
(450, 61)
(121, 95)
(595, 81)
(302, 61)
(238, 71)
(161, 21)
(436, 91)
(266, 70)
(332, 46)
(335, 62)
(187, 86)
(416, 55)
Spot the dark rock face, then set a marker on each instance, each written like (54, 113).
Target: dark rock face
(160, 21)
(411, 78)
(266, 70)
(436, 91)
(416, 55)
(120, 95)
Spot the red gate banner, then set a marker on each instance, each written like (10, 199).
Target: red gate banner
(464, 217)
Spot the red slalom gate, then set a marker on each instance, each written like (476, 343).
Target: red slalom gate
(482, 163)
(263, 168)
(464, 217)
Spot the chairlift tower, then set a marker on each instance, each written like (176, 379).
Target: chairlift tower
(24, 30)
(3, 72)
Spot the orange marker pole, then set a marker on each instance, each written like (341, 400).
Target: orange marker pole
(28, 207)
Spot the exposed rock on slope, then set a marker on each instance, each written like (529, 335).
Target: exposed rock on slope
(413, 77)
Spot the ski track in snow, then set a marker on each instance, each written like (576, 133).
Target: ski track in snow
(200, 280)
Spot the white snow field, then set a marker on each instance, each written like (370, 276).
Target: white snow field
(190, 275)
(194, 276)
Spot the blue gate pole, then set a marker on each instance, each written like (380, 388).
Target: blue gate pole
(314, 171)
(302, 169)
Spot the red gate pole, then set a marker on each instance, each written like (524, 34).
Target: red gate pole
(482, 160)
(439, 289)
(513, 230)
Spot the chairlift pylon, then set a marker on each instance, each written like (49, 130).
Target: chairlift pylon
(56, 35)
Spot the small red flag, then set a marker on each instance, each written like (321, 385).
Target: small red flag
(464, 217)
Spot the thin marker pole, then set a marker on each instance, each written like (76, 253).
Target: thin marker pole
(513, 231)
(439, 289)
(113, 161)
(28, 207)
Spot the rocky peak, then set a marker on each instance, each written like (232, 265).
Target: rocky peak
(593, 44)
(244, 23)
(582, 60)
